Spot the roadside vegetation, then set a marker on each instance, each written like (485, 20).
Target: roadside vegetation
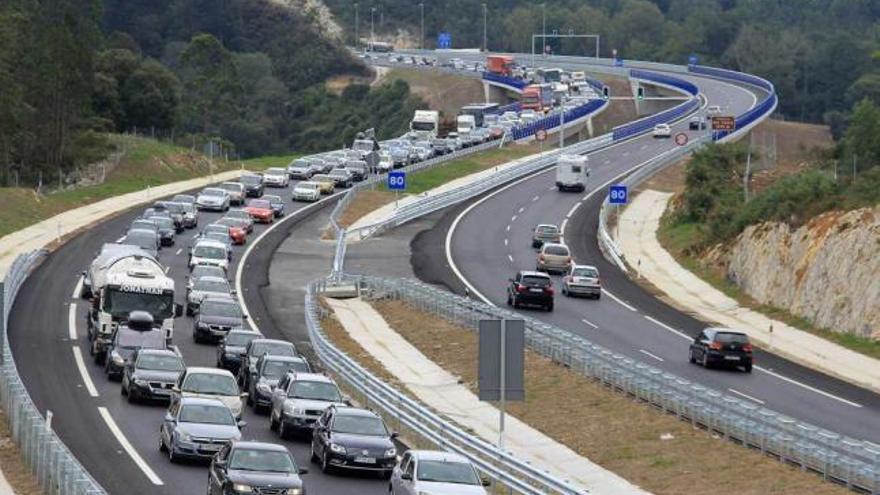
(650, 449)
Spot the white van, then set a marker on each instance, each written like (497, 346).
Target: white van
(572, 173)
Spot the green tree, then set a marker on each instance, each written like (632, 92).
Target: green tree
(211, 85)
(862, 138)
(151, 96)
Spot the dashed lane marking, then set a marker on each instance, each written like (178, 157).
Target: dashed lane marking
(650, 355)
(588, 322)
(746, 396)
(81, 366)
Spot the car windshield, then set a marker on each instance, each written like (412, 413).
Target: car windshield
(556, 250)
(359, 425)
(209, 383)
(240, 339)
(155, 362)
(300, 164)
(447, 472)
(260, 203)
(238, 214)
(218, 236)
(585, 272)
(309, 186)
(206, 284)
(250, 179)
(210, 252)
(163, 222)
(274, 348)
(323, 391)
(141, 239)
(222, 309)
(273, 200)
(183, 198)
(119, 304)
(176, 207)
(275, 171)
(423, 126)
(133, 339)
(216, 228)
(229, 222)
(535, 281)
(548, 229)
(277, 369)
(362, 145)
(143, 225)
(271, 461)
(213, 192)
(231, 187)
(200, 271)
(205, 414)
(731, 338)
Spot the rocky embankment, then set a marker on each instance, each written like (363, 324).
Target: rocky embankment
(827, 271)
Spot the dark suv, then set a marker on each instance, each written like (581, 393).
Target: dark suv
(254, 467)
(252, 353)
(722, 347)
(253, 185)
(352, 438)
(532, 289)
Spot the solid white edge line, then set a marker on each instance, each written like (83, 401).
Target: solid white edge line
(562, 227)
(513, 218)
(84, 372)
(619, 300)
(590, 323)
(808, 387)
(667, 327)
(129, 449)
(510, 258)
(505, 241)
(658, 358)
(120, 239)
(522, 209)
(573, 209)
(178, 252)
(77, 289)
(71, 322)
(746, 396)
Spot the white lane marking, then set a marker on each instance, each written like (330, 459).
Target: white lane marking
(667, 327)
(129, 449)
(178, 252)
(747, 396)
(513, 218)
(552, 188)
(505, 242)
(521, 210)
(71, 322)
(508, 228)
(590, 323)
(81, 366)
(166, 269)
(562, 227)
(619, 300)
(510, 258)
(77, 289)
(536, 198)
(606, 162)
(646, 353)
(808, 387)
(120, 239)
(644, 146)
(572, 210)
(626, 153)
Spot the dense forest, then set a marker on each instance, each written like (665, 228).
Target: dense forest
(817, 52)
(247, 72)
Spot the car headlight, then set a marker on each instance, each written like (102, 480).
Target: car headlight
(291, 409)
(184, 437)
(264, 387)
(240, 488)
(294, 491)
(116, 358)
(141, 383)
(391, 452)
(339, 449)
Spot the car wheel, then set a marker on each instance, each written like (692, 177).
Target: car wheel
(550, 307)
(314, 457)
(385, 475)
(705, 361)
(748, 368)
(515, 304)
(172, 457)
(162, 447)
(273, 422)
(598, 296)
(325, 464)
(509, 300)
(565, 291)
(691, 358)
(189, 311)
(282, 431)
(132, 397)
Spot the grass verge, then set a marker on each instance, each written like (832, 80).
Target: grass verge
(16, 473)
(653, 450)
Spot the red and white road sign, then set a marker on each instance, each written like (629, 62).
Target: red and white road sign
(681, 139)
(541, 135)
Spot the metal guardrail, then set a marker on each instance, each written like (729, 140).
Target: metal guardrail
(852, 462)
(503, 467)
(53, 465)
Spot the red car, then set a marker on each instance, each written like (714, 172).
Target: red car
(260, 210)
(237, 232)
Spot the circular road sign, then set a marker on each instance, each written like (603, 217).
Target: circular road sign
(541, 135)
(681, 139)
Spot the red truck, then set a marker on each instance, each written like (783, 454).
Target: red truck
(500, 64)
(537, 97)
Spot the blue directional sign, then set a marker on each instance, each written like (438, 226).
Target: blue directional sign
(397, 181)
(617, 195)
(692, 60)
(444, 40)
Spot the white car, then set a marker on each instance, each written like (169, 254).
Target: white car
(209, 383)
(300, 169)
(713, 110)
(306, 191)
(276, 177)
(662, 131)
(235, 191)
(432, 471)
(582, 280)
(385, 162)
(209, 252)
(213, 198)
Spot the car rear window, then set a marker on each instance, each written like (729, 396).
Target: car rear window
(536, 281)
(548, 229)
(556, 250)
(731, 338)
(585, 272)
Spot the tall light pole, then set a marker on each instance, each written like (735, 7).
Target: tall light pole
(357, 25)
(422, 12)
(372, 32)
(485, 43)
(544, 28)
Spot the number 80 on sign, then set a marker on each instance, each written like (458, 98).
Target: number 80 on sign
(617, 195)
(397, 181)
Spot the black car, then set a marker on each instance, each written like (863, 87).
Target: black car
(232, 348)
(353, 438)
(175, 211)
(277, 204)
(697, 123)
(167, 229)
(342, 177)
(136, 333)
(216, 317)
(150, 374)
(257, 348)
(270, 370)
(254, 467)
(253, 185)
(531, 289)
(721, 347)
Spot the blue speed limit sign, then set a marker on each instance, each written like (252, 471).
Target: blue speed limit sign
(617, 195)
(397, 181)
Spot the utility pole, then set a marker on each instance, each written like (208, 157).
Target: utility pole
(544, 29)
(562, 127)
(357, 25)
(485, 42)
(422, 10)
(372, 32)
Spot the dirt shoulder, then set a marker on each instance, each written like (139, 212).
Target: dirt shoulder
(16, 473)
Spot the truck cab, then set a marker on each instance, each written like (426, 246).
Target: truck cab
(425, 124)
(572, 173)
(464, 124)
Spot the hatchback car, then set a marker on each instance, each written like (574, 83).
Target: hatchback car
(530, 289)
(197, 428)
(235, 190)
(253, 185)
(147, 240)
(137, 333)
(167, 229)
(213, 198)
(545, 232)
(209, 383)
(697, 123)
(276, 203)
(582, 280)
(353, 438)
(721, 347)
(299, 400)
(436, 471)
(276, 177)
(150, 374)
(255, 349)
(242, 216)
(236, 228)
(255, 467)
(260, 210)
(217, 315)
(342, 177)
(327, 183)
(203, 288)
(300, 169)
(270, 370)
(554, 258)
(208, 252)
(662, 131)
(232, 348)
(306, 191)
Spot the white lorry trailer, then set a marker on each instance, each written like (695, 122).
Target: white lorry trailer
(572, 173)
(425, 124)
(122, 279)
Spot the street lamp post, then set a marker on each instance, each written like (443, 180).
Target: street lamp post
(357, 25)
(544, 29)
(485, 42)
(422, 12)
(372, 32)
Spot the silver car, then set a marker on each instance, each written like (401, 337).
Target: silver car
(554, 258)
(299, 400)
(235, 191)
(203, 287)
(306, 191)
(197, 428)
(276, 177)
(582, 280)
(431, 471)
(300, 169)
(213, 198)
